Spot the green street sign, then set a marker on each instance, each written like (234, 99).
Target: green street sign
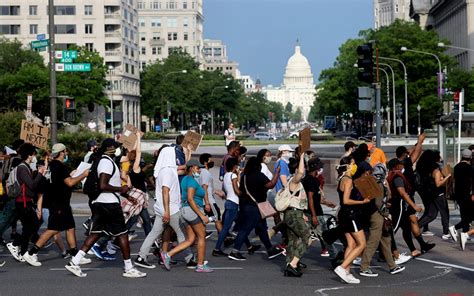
(70, 54)
(39, 44)
(67, 60)
(84, 67)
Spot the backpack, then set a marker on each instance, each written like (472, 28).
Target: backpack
(284, 196)
(12, 185)
(91, 185)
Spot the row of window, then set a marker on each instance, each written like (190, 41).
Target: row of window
(172, 36)
(156, 22)
(33, 10)
(157, 5)
(158, 50)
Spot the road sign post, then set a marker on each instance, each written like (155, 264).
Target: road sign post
(39, 44)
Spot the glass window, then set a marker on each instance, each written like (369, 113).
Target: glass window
(156, 5)
(9, 10)
(143, 50)
(172, 22)
(33, 29)
(90, 46)
(33, 10)
(141, 21)
(140, 5)
(10, 29)
(87, 9)
(88, 29)
(126, 32)
(185, 36)
(142, 36)
(156, 22)
(185, 5)
(133, 70)
(185, 22)
(171, 5)
(64, 10)
(156, 36)
(153, 50)
(65, 29)
(126, 68)
(126, 50)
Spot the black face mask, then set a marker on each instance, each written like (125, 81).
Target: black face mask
(210, 164)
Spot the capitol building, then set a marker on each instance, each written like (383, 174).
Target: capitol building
(298, 86)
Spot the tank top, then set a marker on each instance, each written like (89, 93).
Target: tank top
(355, 195)
(138, 180)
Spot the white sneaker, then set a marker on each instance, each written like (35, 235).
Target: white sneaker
(402, 258)
(31, 259)
(357, 261)
(341, 272)
(463, 239)
(446, 236)
(133, 273)
(132, 237)
(20, 259)
(90, 252)
(85, 261)
(75, 269)
(352, 279)
(453, 232)
(14, 251)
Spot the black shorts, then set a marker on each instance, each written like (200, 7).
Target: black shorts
(350, 223)
(61, 218)
(107, 218)
(215, 211)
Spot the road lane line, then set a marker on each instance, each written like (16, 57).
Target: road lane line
(64, 269)
(446, 264)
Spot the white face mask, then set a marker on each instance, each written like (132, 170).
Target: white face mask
(320, 172)
(118, 152)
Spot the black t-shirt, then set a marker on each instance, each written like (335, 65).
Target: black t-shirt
(463, 180)
(61, 193)
(255, 183)
(311, 184)
(409, 173)
(138, 180)
(44, 188)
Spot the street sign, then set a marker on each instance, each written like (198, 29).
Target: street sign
(80, 67)
(399, 123)
(41, 37)
(66, 60)
(62, 54)
(59, 67)
(29, 104)
(39, 44)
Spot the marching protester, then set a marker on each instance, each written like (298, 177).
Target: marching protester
(229, 134)
(207, 182)
(60, 212)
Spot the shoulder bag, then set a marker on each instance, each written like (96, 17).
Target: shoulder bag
(265, 208)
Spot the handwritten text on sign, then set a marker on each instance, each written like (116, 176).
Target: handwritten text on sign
(34, 133)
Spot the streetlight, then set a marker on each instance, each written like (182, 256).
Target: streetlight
(111, 101)
(212, 110)
(441, 44)
(441, 136)
(405, 78)
(163, 96)
(419, 125)
(394, 98)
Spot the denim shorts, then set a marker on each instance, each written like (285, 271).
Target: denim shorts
(189, 216)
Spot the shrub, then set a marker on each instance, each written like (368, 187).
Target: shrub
(10, 126)
(76, 144)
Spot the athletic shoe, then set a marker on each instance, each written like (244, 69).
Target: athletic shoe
(357, 261)
(68, 255)
(427, 247)
(402, 258)
(274, 252)
(313, 236)
(108, 257)
(453, 232)
(2, 263)
(90, 252)
(236, 256)
(341, 272)
(463, 239)
(75, 269)
(397, 269)
(427, 233)
(166, 260)
(143, 263)
(203, 269)
(192, 264)
(31, 259)
(324, 253)
(446, 236)
(369, 273)
(209, 234)
(87, 224)
(97, 252)
(111, 248)
(352, 279)
(131, 237)
(253, 248)
(133, 273)
(218, 253)
(85, 261)
(21, 259)
(14, 251)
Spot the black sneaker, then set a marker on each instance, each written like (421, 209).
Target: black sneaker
(301, 265)
(369, 273)
(191, 264)
(218, 253)
(274, 252)
(427, 247)
(143, 263)
(397, 269)
(236, 256)
(228, 241)
(290, 271)
(67, 255)
(253, 248)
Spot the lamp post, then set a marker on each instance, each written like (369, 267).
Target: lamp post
(393, 94)
(441, 134)
(212, 110)
(388, 100)
(405, 78)
(111, 101)
(419, 122)
(441, 44)
(163, 96)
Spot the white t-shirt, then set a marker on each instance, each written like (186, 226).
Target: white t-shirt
(228, 188)
(206, 179)
(106, 166)
(167, 177)
(229, 136)
(266, 171)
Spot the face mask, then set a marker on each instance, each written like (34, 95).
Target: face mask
(210, 164)
(320, 172)
(306, 158)
(267, 159)
(34, 159)
(66, 158)
(196, 175)
(118, 152)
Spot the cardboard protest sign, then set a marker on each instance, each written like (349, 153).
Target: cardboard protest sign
(34, 133)
(368, 187)
(304, 140)
(192, 138)
(129, 137)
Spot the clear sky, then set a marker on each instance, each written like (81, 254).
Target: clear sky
(261, 34)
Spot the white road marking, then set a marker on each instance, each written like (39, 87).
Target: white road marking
(446, 264)
(227, 268)
(63, 269)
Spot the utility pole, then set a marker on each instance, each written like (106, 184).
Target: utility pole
(52, 76)
(378, 98)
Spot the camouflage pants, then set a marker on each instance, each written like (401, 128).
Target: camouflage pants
(298, 234)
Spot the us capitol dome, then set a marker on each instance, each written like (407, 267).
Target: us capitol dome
(298, 85)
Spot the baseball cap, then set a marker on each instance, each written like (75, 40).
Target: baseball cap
(109, 142)
(285, 147)
(58, 148)
(194, 162)
(466, 153)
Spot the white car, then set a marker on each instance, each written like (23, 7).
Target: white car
(265, 136)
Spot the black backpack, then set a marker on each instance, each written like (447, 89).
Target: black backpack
(91, 185)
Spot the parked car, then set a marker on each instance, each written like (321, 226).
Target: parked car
(265, 136)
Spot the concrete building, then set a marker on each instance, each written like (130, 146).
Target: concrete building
(166, 25)
(246, 81)
(215, 58)
(108, 26)
(298, 85)
(387, 11)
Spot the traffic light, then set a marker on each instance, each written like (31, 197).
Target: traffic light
(365, 63)
(69, 110)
